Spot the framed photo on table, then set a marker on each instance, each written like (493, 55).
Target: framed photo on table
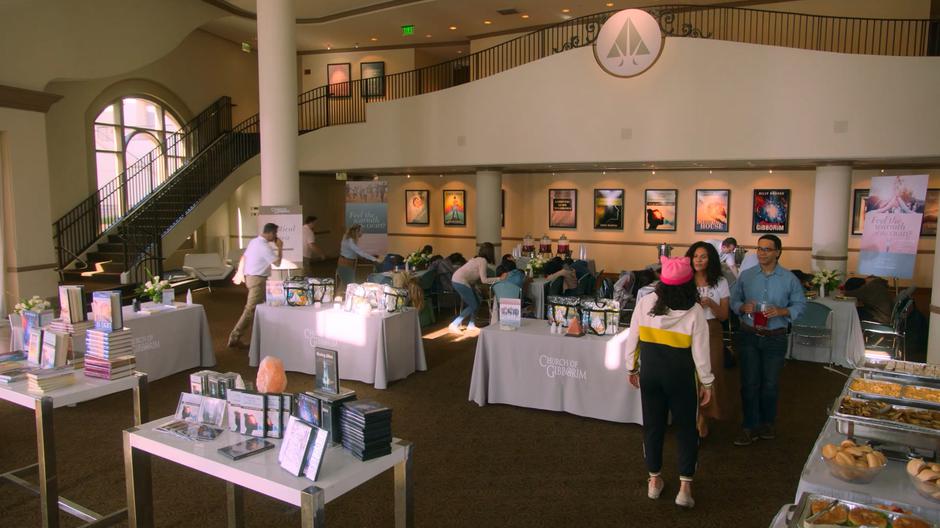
(608, 209)
(562, 208)
(711, 210)
(372, 75)
(455, 208)
(771, 211)
(417, 211)
(338, 79)
(859, 204)
(660, 209)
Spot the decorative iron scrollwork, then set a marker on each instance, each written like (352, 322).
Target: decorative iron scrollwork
(591, 30)
(668, 24)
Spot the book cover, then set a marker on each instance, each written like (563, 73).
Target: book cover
(315, 453)
(253, 408)
(55, 349)
(212, 411)
(274, 293)
(308, 408)
(188, 407)
(34, 346)
(234, 398)
(72, 303)
(297, 438)
(251, 446)
(272, 418)
(106, 310)
(327, 378)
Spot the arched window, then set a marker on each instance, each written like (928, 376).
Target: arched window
(136, 149)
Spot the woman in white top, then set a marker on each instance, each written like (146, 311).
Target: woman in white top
(349, 251)
(714, 295)
(473, 271)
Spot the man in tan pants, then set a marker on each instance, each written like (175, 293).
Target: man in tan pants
(259, 257)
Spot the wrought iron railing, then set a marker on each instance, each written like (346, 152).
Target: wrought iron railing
(80, 228)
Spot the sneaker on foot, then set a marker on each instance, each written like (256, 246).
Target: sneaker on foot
(768, 432)
(454, 328)
(233, 342)
(652, 491)
(685, 499)
(746, 438)
(472, 326)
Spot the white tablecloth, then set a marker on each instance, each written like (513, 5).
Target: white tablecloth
(375, 348)
(170, 341)
(536, 294)
(530, 367)
(891, 485)
(847, 340)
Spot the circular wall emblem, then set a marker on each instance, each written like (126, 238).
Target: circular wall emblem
(628, 43)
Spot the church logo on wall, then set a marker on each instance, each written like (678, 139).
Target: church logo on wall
(628, 43)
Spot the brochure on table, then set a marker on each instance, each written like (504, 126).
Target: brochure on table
(510, 314)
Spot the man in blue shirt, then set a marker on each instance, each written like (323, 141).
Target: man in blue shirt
(767, 297)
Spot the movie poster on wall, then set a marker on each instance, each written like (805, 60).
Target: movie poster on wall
(416, 207)
(660, 209)
(455, 208)
(893, 214)
(367, 205)
(711, 210)
(608, 208)
(771, 213)
(562, 208)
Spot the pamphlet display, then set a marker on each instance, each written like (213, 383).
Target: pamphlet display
(274, 293)
(510, 313)
(327, 379)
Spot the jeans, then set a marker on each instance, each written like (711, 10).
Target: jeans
(347, 275)
(761, 360)
(667, 386)
(469, 298)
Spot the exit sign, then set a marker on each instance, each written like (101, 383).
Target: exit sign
(408, 30)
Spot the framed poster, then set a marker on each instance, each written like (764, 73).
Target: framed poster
(771, 212)
(416, 207)
(608, 208)
(858, 210)
(711, 210)
(660, 209)
(928, 226)
(562, 208)
(455, 208)
(338, 77)
(373, 79)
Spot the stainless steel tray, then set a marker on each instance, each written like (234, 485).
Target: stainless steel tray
(885, 430)
(802, 510)
(870, 368)
(896, 400)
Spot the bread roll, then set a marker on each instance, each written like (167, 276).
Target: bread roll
(844, 460)
(909, 522)
(829, 451)
(847, 443)
(927, 475)
(866, 517)
(873, 460)
(914, 466)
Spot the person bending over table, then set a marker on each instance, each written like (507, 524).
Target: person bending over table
(464, 278)
(349, 251)
(767, 297)
(258, 258)
(874, 298)
(668, 328)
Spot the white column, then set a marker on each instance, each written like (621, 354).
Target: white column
(933, 343)
(488, 208)
(831, 217)
(277, 91)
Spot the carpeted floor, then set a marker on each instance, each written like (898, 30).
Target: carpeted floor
(474, 466)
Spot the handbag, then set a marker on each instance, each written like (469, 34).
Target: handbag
(561, 309)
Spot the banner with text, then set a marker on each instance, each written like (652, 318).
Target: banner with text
(367, 205)
(893, 213)
(289, 220)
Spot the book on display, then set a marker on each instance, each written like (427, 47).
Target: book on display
(366, 428)
(55, 349)
(254, 406)
(327, 377)
(106, 310)
(72, 304)
(32, 320)
(248, 447)
(109, 354)
(48, 380)
(274, 427)
(34, 346)
(298, 435)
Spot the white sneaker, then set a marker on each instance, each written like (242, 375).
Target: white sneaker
(652, 491)
(685, 499)
(454, 328)
(472, 327)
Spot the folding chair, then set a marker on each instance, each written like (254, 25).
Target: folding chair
(814, 325)
(877, 333)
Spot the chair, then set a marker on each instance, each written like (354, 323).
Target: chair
(502, 290)
(813, 325)
(206, 267)
(877, 333)
(233, 256)
(391, 260)
(379, 278)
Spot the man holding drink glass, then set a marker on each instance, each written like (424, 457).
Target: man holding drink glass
(767, 298)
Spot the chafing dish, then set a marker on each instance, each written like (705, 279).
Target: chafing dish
(803, 510)
(906, 391)
(883, 422)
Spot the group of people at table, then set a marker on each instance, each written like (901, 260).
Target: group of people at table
(674, 350)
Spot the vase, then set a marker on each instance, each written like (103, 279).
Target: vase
(822, 291)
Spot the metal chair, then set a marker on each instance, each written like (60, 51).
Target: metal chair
(877, 333)
(814, 325)
(379, 278)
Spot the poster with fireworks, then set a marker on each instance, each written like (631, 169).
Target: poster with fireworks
(660, 209)
(711, 210)
(771, 211)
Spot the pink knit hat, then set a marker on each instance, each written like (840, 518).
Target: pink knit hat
(676, 270)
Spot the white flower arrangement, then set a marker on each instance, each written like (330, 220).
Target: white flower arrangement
(535, 265)
(827, 277)
(417, 259)
(33, 304)
(153, 289)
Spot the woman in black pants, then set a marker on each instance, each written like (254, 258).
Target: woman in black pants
(670, 332)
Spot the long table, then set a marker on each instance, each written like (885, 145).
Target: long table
(375, 348)
(530, 367)
(847, 340)
(170, 341)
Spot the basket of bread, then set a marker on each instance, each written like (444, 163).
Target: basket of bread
(925, 477)
(851, 462)
(820, 511)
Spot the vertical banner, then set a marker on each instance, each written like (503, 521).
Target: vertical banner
(367, 205)
(289, 220)
(893, 214)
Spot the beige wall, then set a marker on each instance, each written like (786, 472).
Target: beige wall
(396, 61)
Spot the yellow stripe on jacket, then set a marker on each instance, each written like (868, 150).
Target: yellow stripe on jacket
(659, 336)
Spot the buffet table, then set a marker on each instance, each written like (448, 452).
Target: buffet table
(847, 340)
(530, 367)
(375, 348)
(170, 341)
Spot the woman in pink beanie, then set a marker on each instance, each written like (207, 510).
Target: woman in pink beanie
(667, 356)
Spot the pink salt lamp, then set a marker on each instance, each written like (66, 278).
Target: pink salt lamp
(271, 376)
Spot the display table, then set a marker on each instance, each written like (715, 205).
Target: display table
(340, 473)
(847, 340)
(892, 485)
(375, 348)
(171, 340)
(530, 367)
(84, 389)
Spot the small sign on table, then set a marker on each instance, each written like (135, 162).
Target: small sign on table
(510, 314)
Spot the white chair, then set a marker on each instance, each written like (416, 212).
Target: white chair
(206, 267)
(234, 255)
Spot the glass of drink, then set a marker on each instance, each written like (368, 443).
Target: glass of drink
(760, 320)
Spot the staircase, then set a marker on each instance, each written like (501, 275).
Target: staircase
(130, 240)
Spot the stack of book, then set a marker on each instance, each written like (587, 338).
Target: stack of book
(366, 429)
(76, 331)
(47, 380)
(12, 371)
(109, 355)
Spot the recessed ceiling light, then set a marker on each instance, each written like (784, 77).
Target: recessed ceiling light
(604, 173)
(525, 15)
(409, 175)
(427, 36)
(328, 47)
(374, 39)
(452, 28)
(459, 52)
(609, 4)
(566, 10)
(709, 172)
(487, 22)
(654, 172)
(357, 45)
(771, 171)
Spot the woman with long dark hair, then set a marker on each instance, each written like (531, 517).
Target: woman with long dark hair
(473, 271)
(666, 349)
(714, 297)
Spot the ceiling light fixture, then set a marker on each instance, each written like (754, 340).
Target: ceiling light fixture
(374, 39)
(566, 10)
(771, 171)
(328, 47)
(609, 4)
(525, 15)
(654, 172)
(452, 28)
(709, 172)
(427, 36)
(409, 175)
(357, 45)
(487, 22)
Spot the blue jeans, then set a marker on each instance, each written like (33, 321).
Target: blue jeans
(761, 360)
(469, 298)
(347, 275)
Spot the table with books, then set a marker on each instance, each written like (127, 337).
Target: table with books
(531, 367)
(339, 472)
(373, 348)
(70, 387)
(168, 340)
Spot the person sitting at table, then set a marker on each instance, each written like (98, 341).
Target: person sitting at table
(475, 270)
(349, 251)
(553, 265)
(427, 250)
(510, 273)
(874, 298)
(580, 267)
(508, 258)
(663, 357)
(569, 278)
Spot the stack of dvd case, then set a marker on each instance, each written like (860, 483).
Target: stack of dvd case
(366, 427)
(109, 354)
